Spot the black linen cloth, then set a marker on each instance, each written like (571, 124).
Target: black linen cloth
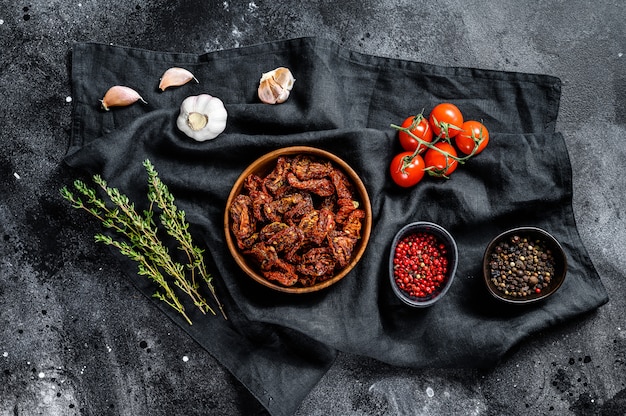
(279, 345)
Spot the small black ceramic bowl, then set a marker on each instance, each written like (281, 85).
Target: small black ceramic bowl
(445, 244)
(524, 265)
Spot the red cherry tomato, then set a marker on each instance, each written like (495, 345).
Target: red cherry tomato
(446, 120)
(439, 164)
(407, 171)
(419, 126)
(473, 134)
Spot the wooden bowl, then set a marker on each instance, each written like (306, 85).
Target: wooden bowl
(264, 165)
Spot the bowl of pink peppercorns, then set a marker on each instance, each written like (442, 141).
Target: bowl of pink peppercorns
(422, 263)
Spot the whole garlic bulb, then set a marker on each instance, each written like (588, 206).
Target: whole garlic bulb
(202, 117)
(275, 86)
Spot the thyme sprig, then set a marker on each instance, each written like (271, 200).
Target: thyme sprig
(140, 240)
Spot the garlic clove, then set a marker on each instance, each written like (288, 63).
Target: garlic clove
(275, 86)
(284, 78)
(267, 91)
(120, 96)
(175, 77)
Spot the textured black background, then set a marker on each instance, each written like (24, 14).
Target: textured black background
(76, 338)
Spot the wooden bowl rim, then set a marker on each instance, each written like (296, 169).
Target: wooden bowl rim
(269, 158)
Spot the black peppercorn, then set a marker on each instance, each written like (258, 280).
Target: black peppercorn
(521, 266)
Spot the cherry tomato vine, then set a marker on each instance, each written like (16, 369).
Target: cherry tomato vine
(433, 142)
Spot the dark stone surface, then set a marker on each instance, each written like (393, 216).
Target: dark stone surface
(77, 338)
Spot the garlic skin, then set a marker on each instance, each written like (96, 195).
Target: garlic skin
(202, 117)
(120, 96)
(275, 86)
(175, 77)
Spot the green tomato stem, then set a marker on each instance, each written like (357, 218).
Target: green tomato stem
(431, 145)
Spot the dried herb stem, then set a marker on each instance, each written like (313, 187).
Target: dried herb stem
(140, 238)
(177, 226)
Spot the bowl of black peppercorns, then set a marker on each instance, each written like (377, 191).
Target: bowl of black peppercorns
(524, 265)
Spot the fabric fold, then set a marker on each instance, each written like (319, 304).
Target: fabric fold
(280, 345)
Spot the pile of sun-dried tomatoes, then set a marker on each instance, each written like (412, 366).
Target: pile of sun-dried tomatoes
(299, 223)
